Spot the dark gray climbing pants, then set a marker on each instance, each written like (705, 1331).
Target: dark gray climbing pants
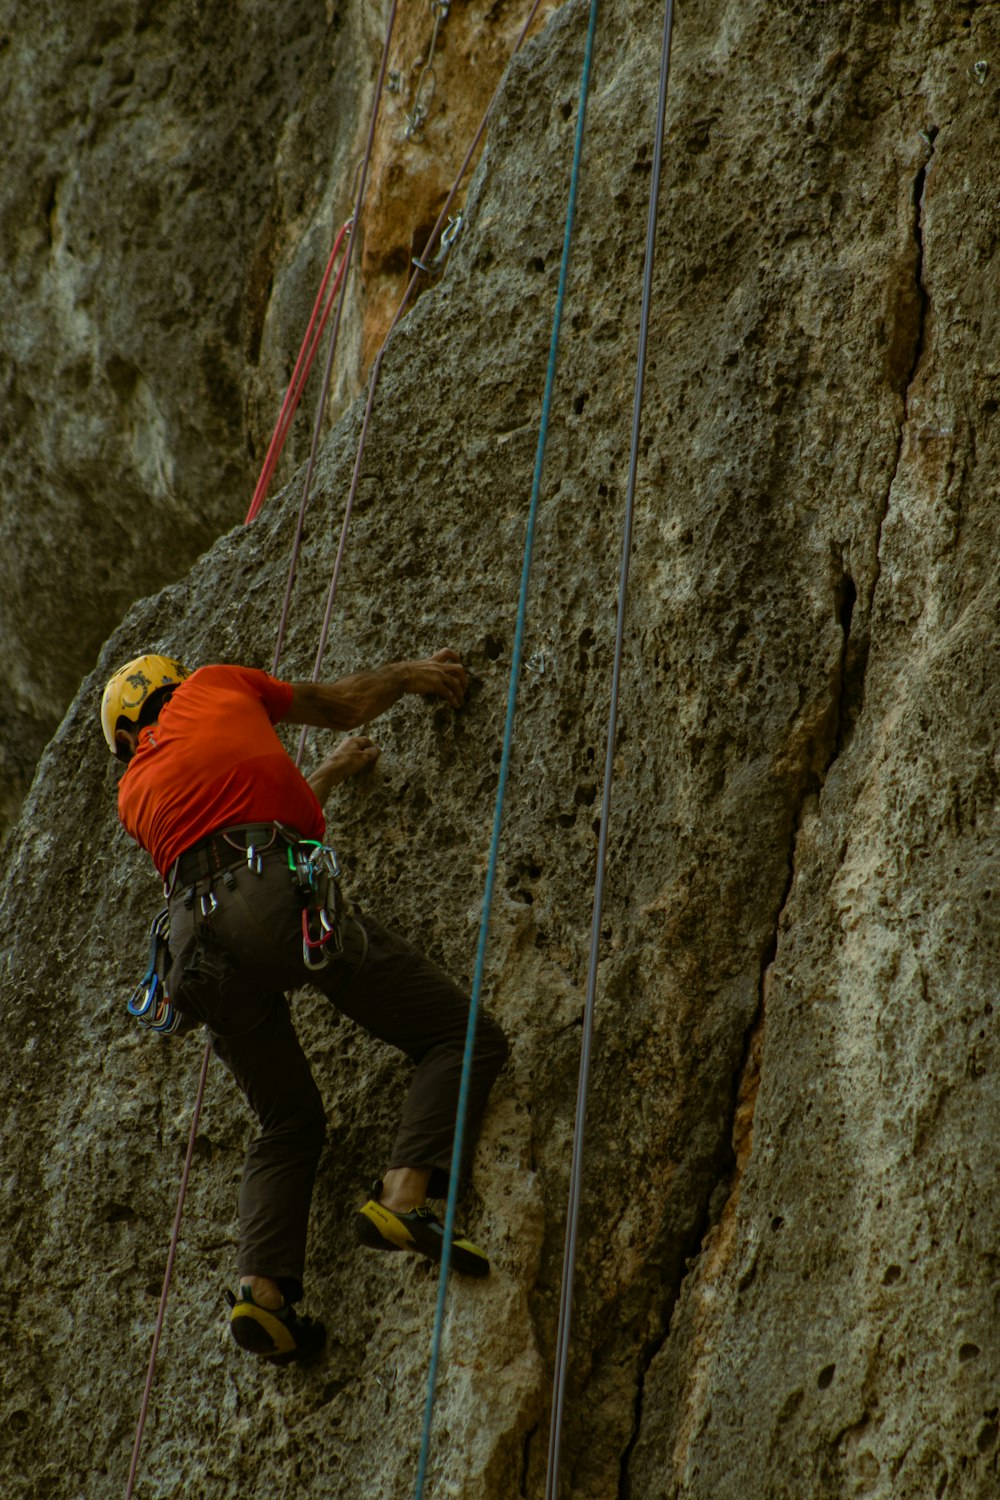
(396, 995)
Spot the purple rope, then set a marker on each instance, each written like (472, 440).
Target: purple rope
(171, 1256)
(328, 371)
(321, 406)
(377, 367)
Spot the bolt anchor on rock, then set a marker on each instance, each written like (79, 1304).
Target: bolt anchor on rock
(449, 235)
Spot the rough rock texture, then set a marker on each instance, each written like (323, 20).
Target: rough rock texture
(788, 1272)
(440, 81)
(174, 177)
(150, 152)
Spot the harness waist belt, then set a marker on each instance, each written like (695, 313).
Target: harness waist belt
(226, 848)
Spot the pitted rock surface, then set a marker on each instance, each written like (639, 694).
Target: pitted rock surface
(787, 1273)
(174, 180)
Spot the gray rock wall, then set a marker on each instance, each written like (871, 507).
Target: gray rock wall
(172, 175)
(788, 1269)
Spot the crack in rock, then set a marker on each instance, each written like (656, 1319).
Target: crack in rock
(846, 697)
(529, 1438)
(912, 304)
(913, 329)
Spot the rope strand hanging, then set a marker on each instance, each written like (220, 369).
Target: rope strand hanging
(576, 1169)
(494, 854)
(373, 378)
(165, 1289)
(328, 370)
(307, 354)
(303, 366)
(199, 1097)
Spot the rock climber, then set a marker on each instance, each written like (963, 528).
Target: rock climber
(255, 910)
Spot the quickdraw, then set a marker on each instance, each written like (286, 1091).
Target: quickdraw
(315, 872)
(149, 1002)
(427, 82)
(445, 245)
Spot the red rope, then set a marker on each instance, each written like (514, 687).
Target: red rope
(341, 277)
(300, 375)
(168, 1272)
(284, 419)
(328, 371)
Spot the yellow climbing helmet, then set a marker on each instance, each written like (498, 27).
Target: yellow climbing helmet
(131, 686)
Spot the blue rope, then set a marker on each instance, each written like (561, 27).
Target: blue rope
(583, 1086)
(515, 672)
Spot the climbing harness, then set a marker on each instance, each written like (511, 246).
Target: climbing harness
(576, 1169)
(296, 547)
(167, 1274)
(515, 668)
(149, 1001)
(428, 78)
(316, 877)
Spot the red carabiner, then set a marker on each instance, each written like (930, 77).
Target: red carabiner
(310, 944)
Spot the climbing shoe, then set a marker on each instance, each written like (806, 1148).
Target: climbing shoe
(278, 1335)
(420, 1230)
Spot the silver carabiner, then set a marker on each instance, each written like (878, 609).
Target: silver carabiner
(323, 861)
(451, 231)
(449, 235)
(166, 1020)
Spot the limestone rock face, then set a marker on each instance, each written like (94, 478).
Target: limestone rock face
(163, 166)
(174, 179)
(787, 1275)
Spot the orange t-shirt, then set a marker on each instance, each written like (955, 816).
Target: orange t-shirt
(214, 761)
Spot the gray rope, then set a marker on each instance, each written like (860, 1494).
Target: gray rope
(576, 1170)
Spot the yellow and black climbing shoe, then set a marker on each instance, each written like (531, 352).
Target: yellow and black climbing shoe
(278, 1335)
(420, 1230)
